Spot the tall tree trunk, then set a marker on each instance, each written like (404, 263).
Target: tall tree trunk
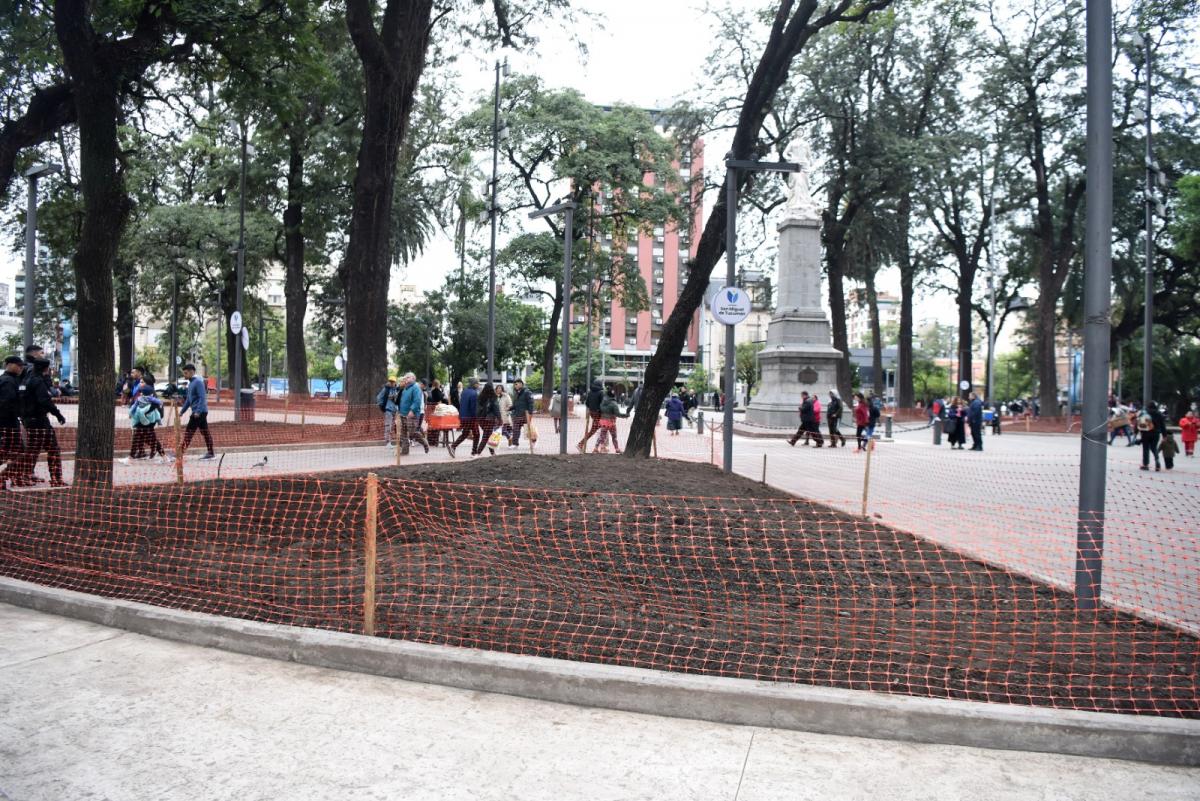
(393, 60)
(551, 345)
(904, 355)
(793, 26)
(294, 289)
(876, 334)
(105, 212)
(123, 287)
(966, 284)
(1046, 357)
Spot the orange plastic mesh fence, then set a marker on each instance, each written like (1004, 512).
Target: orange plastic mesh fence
(780, 590)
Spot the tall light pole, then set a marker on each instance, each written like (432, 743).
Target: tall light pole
(238, 357)
(33, 174)
(732, 165)
(1151, 203)
(568, 210)
(172, 369)
(989, 390)
(501, 67)
(1097, 296)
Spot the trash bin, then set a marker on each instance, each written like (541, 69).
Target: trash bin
(247, 406)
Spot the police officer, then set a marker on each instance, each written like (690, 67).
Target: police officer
(12, 449)
(36, 408)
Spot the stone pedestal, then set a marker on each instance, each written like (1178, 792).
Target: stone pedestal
(798, 354)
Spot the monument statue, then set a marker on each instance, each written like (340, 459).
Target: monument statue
(798, 354)
(801, 202)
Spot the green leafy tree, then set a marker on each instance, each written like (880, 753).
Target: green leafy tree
(746, 365)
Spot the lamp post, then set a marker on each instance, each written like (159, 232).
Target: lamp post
(238, 355)
(33, 174)
(1097, 297)
(568, 210)
(498, 133)
(732, 165)
(1153, 175)
(172, 369)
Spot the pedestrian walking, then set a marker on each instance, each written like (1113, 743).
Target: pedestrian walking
(1152, 426)
(12, 448)
(610, 410)
(489, 420)
(436, 393)
(675, 412)
(1118, 424)
(556, 409)
(520, 410)
(996, 418)
(505, 401)
(36, 409)
(388, 401)
(874, 409)
(144, 415)
(1169, 449)
(595, 398)
(1189, 427)
(412, 409)
(195, 400)
(956, 424)
(862, 418)
(468, 416)
(834, 415)
(975, 421)
(810, 425)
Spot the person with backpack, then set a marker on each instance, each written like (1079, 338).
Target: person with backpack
(195, 399)
(144, 414)
(975, 421)
(609, 412)
(834, 416)
(1152, 425)
(388, 401)
(12, 448)
(36, 407)
(874, 408)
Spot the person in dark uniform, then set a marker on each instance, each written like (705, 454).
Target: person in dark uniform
(12, 449)
(39, 433)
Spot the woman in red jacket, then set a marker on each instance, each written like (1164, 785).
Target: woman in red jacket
(1189, 426)
(862, 418)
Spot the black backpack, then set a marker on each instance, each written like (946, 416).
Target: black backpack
(26, 395)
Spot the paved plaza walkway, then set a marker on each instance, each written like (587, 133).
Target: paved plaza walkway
(97, 713)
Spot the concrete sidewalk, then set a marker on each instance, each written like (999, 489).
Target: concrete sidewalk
(92, 712)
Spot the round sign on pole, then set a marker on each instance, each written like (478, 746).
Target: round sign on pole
(235, 323)
(339, 362)
(964, 385)
(246, 338)
(345, 355)
(730, 305)
(179, 360)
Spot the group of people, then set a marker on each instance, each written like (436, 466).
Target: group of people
(488, 417)
(958, 415)
(146, 412)
(26, 407)
(1147, 426)
(866, 417)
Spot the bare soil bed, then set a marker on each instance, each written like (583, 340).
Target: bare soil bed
(656, 564)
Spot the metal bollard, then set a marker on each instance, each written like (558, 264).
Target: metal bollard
(887, 427)
(937, 431)
(700, 422)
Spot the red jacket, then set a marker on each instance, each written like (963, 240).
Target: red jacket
(862, 415)
(1188, 427)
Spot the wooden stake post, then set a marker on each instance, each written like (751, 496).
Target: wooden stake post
(867, 475)
(369, 555)
(287, 402)
(178, 443)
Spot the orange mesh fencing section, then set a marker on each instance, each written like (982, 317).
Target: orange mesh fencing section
(789, 591)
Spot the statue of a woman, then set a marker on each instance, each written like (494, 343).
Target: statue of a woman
(800, 202)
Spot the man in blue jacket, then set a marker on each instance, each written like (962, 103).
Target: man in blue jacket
(468, 413)
(196, 400)
(412, 406)
(975, 421)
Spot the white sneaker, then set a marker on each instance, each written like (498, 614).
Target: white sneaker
(124, 461)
